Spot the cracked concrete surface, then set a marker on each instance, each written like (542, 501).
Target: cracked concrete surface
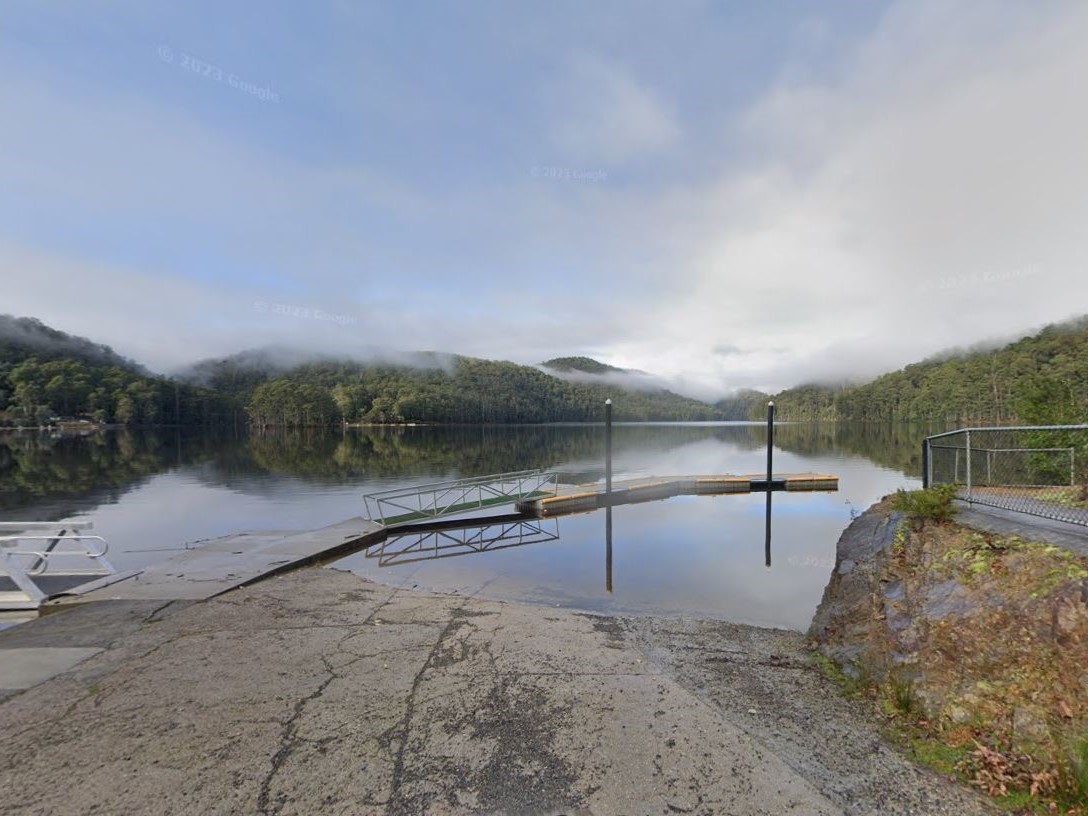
(318, 691)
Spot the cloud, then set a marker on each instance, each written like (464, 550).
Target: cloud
(609, 117)
(937, 156)
(895, 190)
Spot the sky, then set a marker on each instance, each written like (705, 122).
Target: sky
(725, 194)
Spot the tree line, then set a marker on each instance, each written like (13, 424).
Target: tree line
(1041, 379)
(469, 391)
(45, 374)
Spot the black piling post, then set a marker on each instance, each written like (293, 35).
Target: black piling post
(608, 450)
(770, 474)
(770, 440)
(608, 549)
(608, 494)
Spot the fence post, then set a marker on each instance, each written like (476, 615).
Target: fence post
(926, 476)
(968, 433)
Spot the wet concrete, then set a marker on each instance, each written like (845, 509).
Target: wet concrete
(317, 691)
(225, 563)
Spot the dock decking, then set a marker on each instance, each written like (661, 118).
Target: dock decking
(585, 498)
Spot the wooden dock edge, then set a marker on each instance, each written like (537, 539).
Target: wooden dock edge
(586, 498)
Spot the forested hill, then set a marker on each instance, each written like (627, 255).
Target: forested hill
(47, 374)
(586, 365)
(25, 337)
(433, 388)
(1040, 378)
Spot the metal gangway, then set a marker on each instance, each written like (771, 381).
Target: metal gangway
(430, 501)
(41, 559)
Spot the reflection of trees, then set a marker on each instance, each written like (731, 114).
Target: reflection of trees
(50, 472)
(893, 445)
(385, 452)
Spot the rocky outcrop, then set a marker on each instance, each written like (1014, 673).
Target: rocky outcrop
(851, 626)
(977, 640)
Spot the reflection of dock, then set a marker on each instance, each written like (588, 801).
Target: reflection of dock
(582, 498)
(233, 561)
(449, 539)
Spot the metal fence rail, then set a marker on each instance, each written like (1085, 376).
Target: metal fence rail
(430, 501)
(1036, 469)
(37, 558)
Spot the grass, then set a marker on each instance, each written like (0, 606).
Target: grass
(1065, 496)
(851, 686)
(1076, 765)
(930, 504)
(944, 759)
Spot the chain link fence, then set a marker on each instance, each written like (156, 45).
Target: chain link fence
(1036, 469)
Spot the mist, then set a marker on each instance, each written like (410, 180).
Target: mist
(725, 197)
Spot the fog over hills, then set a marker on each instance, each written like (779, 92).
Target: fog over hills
(726, 195)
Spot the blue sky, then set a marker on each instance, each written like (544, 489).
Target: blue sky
(725, 194)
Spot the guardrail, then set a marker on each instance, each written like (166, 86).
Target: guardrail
(1037, 469)
(437, 499)
(39, 558)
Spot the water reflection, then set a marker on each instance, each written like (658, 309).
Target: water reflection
(48, 477)
(149, 492)
(451, 539)
(692, 555)
(608, 549)
(767, 538)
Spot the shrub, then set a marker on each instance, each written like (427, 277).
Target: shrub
(933, 503)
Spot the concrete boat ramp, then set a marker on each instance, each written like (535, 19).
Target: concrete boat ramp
(222, 564)
(316, 691)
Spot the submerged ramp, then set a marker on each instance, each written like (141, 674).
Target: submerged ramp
(584, 498)
(226, 563)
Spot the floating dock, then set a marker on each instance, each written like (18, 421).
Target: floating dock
(585, 498)
(222, 564)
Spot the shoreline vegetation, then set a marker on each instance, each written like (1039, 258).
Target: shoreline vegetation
(50, 378)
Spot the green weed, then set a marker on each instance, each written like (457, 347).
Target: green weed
(931, 504)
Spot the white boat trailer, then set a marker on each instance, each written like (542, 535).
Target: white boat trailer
(39, 559)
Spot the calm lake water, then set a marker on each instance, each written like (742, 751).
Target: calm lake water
(153, 493)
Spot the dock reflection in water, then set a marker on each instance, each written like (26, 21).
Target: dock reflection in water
(434, 541)
(451, 539)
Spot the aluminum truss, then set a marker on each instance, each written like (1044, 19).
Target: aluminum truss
(431, 501)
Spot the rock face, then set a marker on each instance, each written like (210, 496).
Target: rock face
(851, 624)
(979, 638)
